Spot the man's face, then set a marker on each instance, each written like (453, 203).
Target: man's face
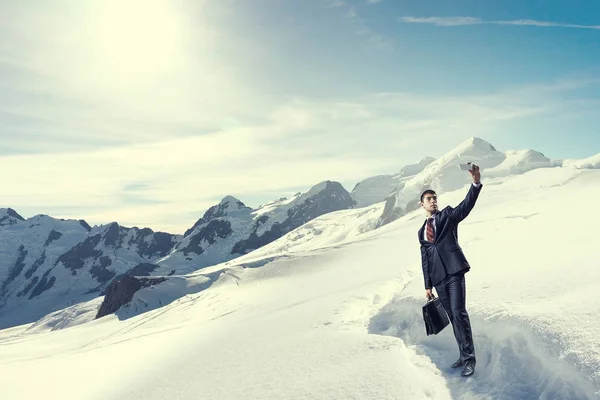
(430, 202)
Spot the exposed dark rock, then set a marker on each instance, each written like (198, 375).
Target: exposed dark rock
(43, 285)
(390, 211)
(75, 258)
(15, 270)
(215, 228)
(254, 241)
(54, 235)
(229, 203)
(85, 225)
(142, 269)
(35, 265)
(112, 235)
(160, 245)
(101, 272)
(29, 286)
(413, 205)
(10, 217)
(121, 291)
(14, 214)
(333, 197)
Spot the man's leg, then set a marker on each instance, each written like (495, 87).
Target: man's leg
(443, 294)
(456, 292)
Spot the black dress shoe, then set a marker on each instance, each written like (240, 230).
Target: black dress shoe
(459, 363)
(469, 369)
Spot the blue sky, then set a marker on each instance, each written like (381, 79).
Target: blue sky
(148, 112)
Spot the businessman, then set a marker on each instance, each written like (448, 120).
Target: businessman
(444, 265)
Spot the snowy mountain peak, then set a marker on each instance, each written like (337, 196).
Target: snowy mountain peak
(227, 205)
(223, 233)
(327, 186)
(476, 143)
(8, 216)
(443, 175)
(474, 150)
(319, 187)
(426, 161)
(231, 203)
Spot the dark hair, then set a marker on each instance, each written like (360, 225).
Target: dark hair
(428, 191)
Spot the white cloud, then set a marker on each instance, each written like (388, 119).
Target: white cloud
(462, 21)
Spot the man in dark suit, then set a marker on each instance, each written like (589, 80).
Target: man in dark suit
(444, 265)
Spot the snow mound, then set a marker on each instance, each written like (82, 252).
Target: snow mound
(376, 188)
(516, 359)
(592, 162)
(519, 162)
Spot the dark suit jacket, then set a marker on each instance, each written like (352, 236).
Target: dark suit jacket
(444, 255)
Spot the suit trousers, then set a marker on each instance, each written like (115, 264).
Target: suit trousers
(452, 293)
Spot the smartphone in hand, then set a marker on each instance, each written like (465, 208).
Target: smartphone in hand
(465, 167)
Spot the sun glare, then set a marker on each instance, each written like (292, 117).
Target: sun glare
(136, 41)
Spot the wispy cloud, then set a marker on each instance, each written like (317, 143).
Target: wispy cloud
(463, 21)
(363, 29)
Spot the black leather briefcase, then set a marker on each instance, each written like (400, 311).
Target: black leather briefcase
(435, 317)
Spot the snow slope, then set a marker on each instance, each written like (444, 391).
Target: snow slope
(519, 162)
(375, 189)
(592, 162)
(341, 320)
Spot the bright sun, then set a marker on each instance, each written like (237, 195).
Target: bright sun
(137, 40)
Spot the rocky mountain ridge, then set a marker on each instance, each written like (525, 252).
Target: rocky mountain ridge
(48, 264)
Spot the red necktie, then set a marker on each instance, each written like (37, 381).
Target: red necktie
(430, 235)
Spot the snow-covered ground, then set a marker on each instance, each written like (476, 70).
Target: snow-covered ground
(329, 312)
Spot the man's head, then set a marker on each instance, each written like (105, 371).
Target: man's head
(429, 201)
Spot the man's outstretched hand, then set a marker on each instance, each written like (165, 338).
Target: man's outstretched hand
(475, 173)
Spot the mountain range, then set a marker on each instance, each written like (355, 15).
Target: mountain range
(50, 264)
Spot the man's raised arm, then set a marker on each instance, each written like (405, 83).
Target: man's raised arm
(464, 208)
